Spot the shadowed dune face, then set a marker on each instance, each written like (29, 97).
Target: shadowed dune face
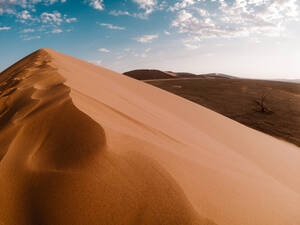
(57, 169)
(39, 116)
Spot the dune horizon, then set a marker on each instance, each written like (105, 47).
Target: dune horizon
(83, 145)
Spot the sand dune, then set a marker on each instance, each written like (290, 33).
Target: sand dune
(148, 75)
(81, 145)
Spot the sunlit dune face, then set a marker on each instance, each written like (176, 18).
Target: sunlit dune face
(81, 144)
(59, 169)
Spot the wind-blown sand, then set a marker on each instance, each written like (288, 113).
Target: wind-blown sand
(82, 145)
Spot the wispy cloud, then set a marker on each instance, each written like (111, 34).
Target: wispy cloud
(192, 43)
(29, 38)
(103, 50)
(126, 13)
(112, 27)
(146, 38)
(56, 18)
(182, 4)
(97, 4)
(147, 5)
(56, 31)
(70, 20)
(8, 6)
(192, 46)
(119, 13)
(5, 28)
(28, 30)
(143, 54)
(239, 19)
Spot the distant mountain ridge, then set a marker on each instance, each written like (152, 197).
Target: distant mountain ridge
(149, 74)
(290, 80)
(144, 74)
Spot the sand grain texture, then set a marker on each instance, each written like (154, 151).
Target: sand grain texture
(83, 145)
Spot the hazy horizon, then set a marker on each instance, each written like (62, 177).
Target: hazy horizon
(245, 38)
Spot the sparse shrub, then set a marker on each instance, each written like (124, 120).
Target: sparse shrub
(261, 103)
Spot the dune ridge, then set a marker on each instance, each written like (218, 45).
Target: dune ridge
(57, 161)
(81, 144)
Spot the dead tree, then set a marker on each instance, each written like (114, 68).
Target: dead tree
(261, 102)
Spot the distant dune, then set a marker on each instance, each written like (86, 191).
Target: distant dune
(290, 80)
(158, 74)
(82, 145)
(150, 74)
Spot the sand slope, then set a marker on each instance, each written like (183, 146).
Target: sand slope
(81, 145)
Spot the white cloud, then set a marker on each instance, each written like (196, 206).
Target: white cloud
(28, 30)
(147, 38)
(25, 15)
(96, 4)
(50, 2)
(139, 54)
(192, 42)
(182, 4)
(166, 32)
(126, 13)
(242, 18)
(8, 5)
(119, 13)
(203, 12)
(29, 38)
(4, 28)
(184, 19)
(70, 20)
(191, 46)
(56, 18)
(142, 55)
(112, 27)
(56, 31)
(147, 5)
(103, 50)
(52, 18)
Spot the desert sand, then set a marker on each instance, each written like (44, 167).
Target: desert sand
(83, 145)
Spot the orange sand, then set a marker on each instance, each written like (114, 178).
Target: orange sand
(82, 145)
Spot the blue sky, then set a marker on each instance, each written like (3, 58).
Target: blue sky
(247, 38)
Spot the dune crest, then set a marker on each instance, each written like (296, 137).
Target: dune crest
(80, 144)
